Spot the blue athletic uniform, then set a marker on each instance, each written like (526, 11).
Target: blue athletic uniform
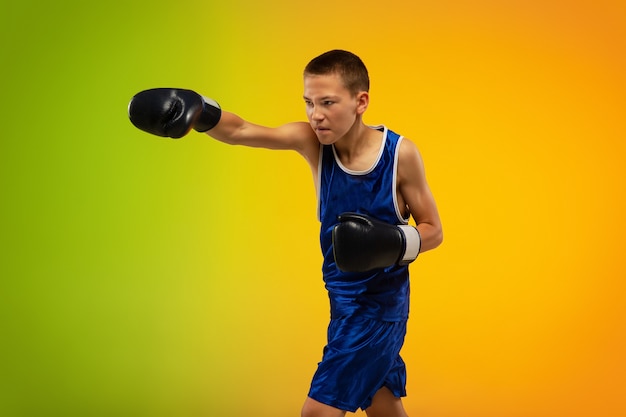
(369, 310)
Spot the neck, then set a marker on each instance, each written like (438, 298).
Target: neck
(358, 139)
(358, 149)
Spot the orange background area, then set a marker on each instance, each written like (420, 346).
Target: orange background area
(152, 277)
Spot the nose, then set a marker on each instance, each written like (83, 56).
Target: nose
(316, 114)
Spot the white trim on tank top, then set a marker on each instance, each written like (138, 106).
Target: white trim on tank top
(402, 219)
(371, 168)
(394, 184)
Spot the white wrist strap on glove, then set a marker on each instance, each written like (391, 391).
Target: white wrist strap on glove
(413, 243)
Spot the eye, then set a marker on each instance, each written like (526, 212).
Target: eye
(327, 102)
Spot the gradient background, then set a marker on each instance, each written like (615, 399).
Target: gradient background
(143, 276)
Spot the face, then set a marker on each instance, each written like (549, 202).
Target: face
(330, 107)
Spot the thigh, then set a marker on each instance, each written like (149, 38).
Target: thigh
(313, 408)
(385, 404)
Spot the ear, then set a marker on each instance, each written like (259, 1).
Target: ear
(362, 101)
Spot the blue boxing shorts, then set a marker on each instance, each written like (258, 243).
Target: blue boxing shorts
(361, 357)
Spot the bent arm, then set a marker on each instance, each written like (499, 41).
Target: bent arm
(418, 196)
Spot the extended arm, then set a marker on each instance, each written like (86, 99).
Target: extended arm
(234, 130)
(171, 112)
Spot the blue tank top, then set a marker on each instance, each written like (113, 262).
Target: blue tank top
(381, 294)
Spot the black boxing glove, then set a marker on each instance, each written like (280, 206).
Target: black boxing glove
(362, 243)
(173, 112)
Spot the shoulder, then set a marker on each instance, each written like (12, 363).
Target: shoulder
(299, 132)
(408, 153)
(410, 163)
(298, 136)
(405, 147)
(303, 140)
(303, 128)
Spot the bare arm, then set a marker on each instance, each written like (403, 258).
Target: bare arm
(173, 112)
(417, 195)
(297, 136)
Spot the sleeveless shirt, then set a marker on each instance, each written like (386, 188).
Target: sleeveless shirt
(381, 294)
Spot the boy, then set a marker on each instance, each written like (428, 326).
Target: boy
(369, 182)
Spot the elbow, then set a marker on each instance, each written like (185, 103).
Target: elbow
(439, 237)
(431, 239)
(436, 239)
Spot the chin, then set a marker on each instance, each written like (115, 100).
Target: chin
(326, 139)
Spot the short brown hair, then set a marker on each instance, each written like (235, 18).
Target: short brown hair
(343, 63)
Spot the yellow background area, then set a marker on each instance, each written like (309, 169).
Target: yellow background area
(143, 276)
